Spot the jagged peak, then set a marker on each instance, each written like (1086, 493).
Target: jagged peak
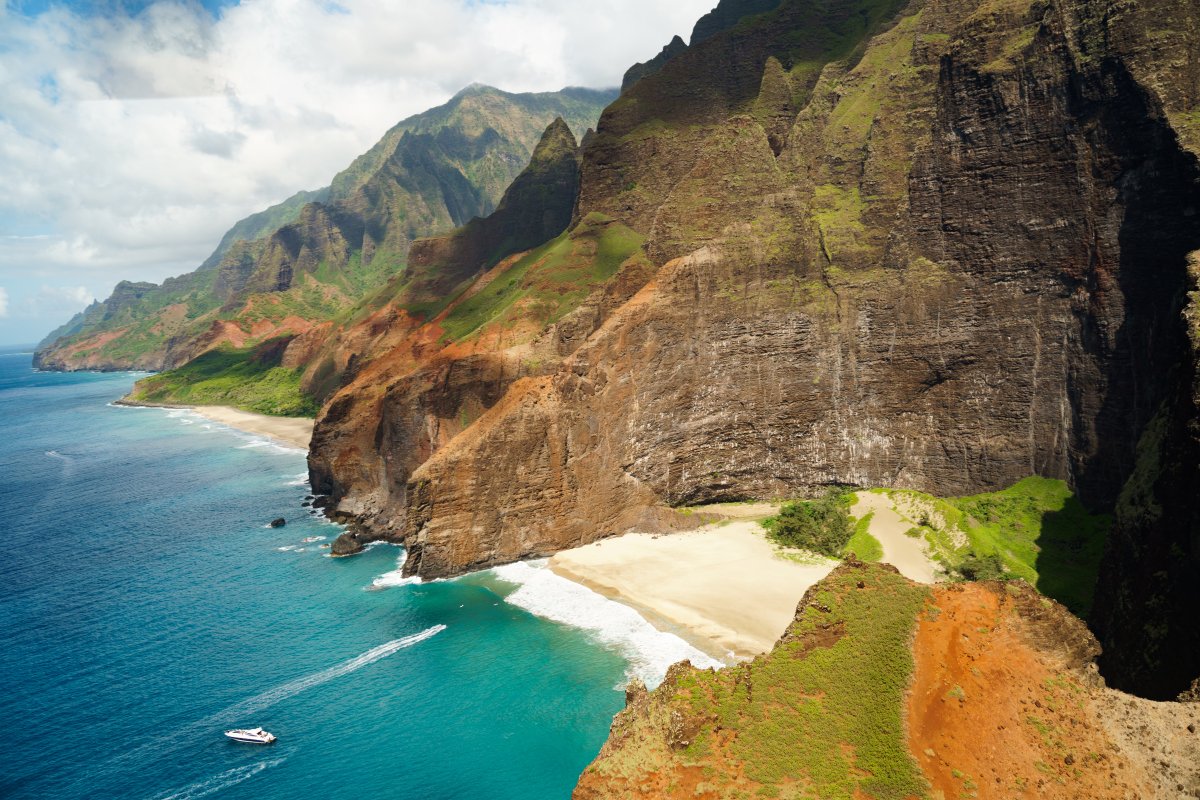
(557, 141)
(641, 70)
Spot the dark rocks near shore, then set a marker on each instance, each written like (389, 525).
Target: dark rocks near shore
(347, 544)
(278, 522)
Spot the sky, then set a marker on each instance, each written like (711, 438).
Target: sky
(134, 134)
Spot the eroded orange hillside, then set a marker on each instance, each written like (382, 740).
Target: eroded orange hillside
(1001, 703)
(885, 689)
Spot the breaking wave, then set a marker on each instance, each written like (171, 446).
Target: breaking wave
(390, 580)
(648, 650)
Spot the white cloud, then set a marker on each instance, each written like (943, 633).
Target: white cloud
(129, 145)
(3, 302)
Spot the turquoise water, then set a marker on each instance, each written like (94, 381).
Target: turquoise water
(145, 607)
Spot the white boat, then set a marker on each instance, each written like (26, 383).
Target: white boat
(251, 736)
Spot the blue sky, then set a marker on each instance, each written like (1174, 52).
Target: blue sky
(133, 134)
(105, 9)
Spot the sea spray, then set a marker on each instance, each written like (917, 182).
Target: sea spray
(396, 577)
(649, 651)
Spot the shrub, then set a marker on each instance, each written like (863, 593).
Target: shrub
(822, 526)
(990, 567)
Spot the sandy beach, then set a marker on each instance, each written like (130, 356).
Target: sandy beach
(725, 588)
(291, 431)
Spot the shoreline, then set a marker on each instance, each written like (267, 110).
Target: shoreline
(288, 431)
(723, 588)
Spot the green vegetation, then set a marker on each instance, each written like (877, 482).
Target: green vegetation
(1043, 534)
(249, 378)
(821, 526)
(988, 567)
(862, 544)
(824, 709)
(549, 281)
(1036, 530)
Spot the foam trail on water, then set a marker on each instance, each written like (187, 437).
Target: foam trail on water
(219, 782)
(270, 697)
(648, 650)
(160, 745)
(299, 480)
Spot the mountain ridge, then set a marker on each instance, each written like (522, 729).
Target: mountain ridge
(429, 173)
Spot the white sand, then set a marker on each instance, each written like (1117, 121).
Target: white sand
(291, 431)
(725, 588)
(904, 552)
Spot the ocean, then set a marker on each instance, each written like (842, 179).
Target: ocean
(146, 606)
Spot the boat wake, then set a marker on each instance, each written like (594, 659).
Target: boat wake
(162, 744)
(270, 697)
(218, 783)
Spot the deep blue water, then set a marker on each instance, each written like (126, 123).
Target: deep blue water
(145, 608)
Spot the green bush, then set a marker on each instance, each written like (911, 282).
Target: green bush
(990, 567)
(822, 526)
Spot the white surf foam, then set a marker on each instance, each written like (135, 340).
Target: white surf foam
(395, 578)
(648, 650)
(300, 479)
(220, 782)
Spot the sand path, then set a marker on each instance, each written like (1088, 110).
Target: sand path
(903, 552)
(725, 588)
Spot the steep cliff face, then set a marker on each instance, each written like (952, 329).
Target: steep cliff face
(1148, 596)
(292, 267)
(964, 265)
(433, 351)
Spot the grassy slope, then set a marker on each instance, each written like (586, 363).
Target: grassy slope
(1037, 527)
(819, 716)
(550, 281)
(244, 378)
(862, 544)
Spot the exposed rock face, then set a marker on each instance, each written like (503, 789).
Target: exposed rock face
(416, 394)
(641, 70)
(1148, 597)
(965, 265)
